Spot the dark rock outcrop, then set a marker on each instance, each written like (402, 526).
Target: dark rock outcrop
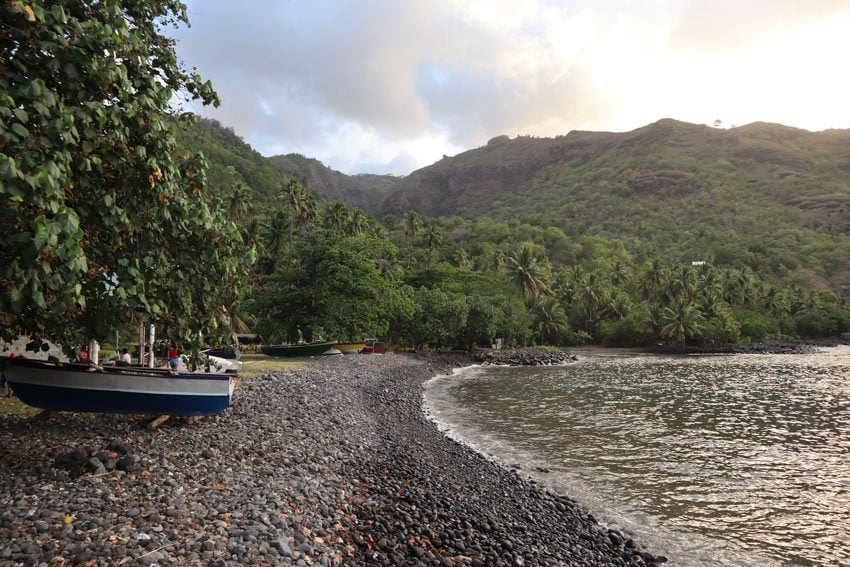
(522, 357)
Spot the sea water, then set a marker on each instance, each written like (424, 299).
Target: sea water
(709, 460)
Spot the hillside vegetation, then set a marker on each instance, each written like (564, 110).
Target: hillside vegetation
(119, 210)
(674, 233)
(766, 196)
(234, 162)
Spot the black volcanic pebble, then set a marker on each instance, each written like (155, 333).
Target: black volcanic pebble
(333, 464)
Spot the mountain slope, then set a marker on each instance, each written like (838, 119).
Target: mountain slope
(233, 161)
(667, 156)
(364, 191)
(764, 195)
(774, 198)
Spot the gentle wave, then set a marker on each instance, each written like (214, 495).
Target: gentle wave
(722, 460)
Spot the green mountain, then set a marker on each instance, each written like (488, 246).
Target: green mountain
(365, 191)
(233, 161)
(767, 196)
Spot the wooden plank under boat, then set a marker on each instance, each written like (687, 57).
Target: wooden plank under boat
(307, 349)
(64, 386)
(352, 347)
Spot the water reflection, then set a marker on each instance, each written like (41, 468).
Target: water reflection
(746, 458)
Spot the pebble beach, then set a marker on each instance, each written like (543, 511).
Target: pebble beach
(334, 464)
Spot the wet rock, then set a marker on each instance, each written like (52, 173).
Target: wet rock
(523, 357)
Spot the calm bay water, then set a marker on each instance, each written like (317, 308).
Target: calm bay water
(711, 460)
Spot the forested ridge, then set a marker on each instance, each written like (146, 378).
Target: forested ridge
(119, 209)
(645, 250)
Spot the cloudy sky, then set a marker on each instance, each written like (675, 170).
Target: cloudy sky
(388, 86)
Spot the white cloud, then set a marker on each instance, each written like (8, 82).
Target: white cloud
(395, 85)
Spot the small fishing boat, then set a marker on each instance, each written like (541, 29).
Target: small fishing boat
(207, 364)
(291, 351)
(67, 386)
(352, 347)
(224, 365)
(374, 346)
(224, 352)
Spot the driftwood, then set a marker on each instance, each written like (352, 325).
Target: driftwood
(156, 422)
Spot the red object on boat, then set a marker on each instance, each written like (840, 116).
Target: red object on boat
(374, 346)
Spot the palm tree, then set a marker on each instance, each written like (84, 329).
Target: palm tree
(549, 319)
(653, 280)
(680, 321)
(308, 212)
(272, 235)
(713, 306)
(681, 284)
(358, 222)
(525, 271)
(776, 302)
(336, 216)
(379, 231)
(237, 202)
(491, 260)
(709, 284)
(392, 223)
(433, 238)
(251, 231)
(293, 193)
(412, 224)
(740, 287)
(590, 292)
(301, 203)
(618, 304)
(461, 258)
(654, 317)
(564, 287)
(621, 273)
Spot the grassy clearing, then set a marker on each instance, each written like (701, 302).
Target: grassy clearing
(14, 407)
(256, 364)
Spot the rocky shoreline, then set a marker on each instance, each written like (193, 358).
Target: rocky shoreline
(332, 465)
(523, 357)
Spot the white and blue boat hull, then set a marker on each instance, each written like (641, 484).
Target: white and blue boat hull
(81, 388)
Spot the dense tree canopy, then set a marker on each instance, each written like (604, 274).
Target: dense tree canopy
(334, 289)
(528, 282)
(101, 223)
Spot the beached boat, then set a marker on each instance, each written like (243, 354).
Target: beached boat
(374, 346)
(306, 349)
(65, 386)
(224, 352)
(207, 364)
(224, 365)
(351, 348)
